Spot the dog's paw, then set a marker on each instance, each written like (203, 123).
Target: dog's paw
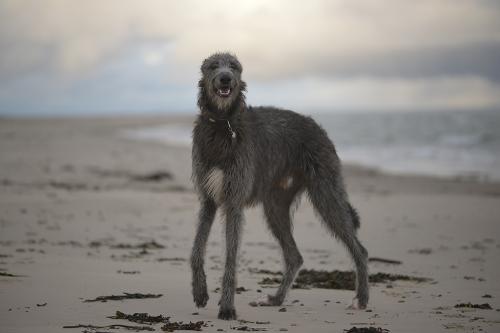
(268, 300)
(201, 300)
(200, 296)
(357, 304)
(227, 314)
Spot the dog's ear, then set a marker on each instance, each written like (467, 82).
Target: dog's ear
(240, 67)
(209, 63)
(234, 60)
(203, 65)
(243, 86)
(206, 64)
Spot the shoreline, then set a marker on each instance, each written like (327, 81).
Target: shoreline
(149, 128)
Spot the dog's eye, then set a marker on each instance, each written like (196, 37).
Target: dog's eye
(234, 66)
(213, 65)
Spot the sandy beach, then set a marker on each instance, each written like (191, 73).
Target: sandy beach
(87, 212)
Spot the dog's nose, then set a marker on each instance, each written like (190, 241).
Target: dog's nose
(225, 79)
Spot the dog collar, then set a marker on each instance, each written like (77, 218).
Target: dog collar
(231, 131)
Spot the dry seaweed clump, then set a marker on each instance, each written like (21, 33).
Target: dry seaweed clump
(324, 279)
(268, 280)
(156, 176)
(345, 280)
(9, 274)
(248, 329)
(141, 318)
(179, 325)
(111, 327)
(150, 245)
(366, 330)
(122, 297)
(169, 326)
(386, 277)
(264, 271)
(484, 306)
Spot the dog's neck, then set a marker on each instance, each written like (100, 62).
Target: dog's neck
(229, 122)
(213, 114)
(211, 110)
(225, 119)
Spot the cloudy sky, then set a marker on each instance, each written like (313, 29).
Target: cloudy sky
(113, 56)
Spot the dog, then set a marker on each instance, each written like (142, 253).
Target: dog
(243, 156)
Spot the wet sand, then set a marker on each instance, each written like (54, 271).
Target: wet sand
(86, 212)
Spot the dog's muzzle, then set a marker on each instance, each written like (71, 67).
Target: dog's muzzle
(224, 84)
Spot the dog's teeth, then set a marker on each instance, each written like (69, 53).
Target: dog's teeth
(224, 92)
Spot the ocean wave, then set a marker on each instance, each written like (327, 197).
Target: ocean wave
(178, 135)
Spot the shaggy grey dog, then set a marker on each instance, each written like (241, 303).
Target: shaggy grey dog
(243, 156)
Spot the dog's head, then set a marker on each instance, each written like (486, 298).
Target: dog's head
(221, 86)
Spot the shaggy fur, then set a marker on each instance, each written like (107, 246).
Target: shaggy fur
(243, 156)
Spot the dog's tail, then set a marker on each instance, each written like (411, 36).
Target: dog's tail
(328, 196)
(354, 216)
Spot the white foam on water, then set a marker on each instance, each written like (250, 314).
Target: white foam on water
(426, 161)
(175, 134)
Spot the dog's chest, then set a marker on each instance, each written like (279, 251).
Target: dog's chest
(213, 183)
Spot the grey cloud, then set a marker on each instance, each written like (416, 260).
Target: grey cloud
(277, 38)
(479, 59)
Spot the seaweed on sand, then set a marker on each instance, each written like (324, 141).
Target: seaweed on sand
(171, 259)
(264, 271)
(151, 245)
(9, 274)
(147, 245)
(484, 306)
(169, 326)
(128, 327)
(248, 329)
(367, 330)
(122, 297)
(179, 325)
(156, 176)
(338, 279)
(141, 318)
(386, 277)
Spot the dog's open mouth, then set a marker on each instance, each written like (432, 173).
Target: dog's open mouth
(224, 92)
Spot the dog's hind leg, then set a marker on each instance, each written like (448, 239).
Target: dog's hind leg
(279, 221)
(328, 197)
(199, 283)
(234, 220)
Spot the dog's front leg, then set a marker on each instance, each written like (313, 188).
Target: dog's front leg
(234, 219)
(199, 282)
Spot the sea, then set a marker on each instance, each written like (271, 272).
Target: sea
(451, 144)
